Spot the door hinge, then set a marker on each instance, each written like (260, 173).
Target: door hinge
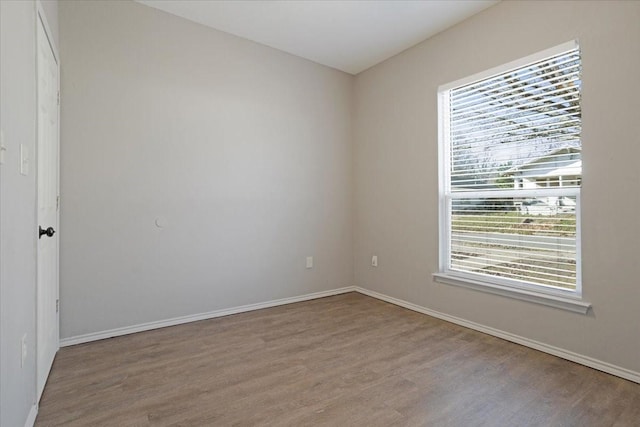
(58, 98)
(57, 203)
(57, 305)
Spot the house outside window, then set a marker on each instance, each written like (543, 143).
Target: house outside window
(510, 176)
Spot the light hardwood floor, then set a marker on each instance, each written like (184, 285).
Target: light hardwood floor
(347, 360)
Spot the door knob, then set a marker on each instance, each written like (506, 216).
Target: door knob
(48, 232)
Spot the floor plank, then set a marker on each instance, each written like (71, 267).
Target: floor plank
(347, 360)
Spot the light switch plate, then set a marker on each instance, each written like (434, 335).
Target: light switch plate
(309, 262)
(23, 350)
(24, 159)
(3, 148)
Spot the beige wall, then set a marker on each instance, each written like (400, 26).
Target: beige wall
(396, 171)
(243, 150)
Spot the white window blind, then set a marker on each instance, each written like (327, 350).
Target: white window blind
(511, 174)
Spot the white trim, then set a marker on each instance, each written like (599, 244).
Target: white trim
(523, 287)
(569, 302)
(95, 336)
(537, 345)
(556, 351)
(578, 213)
(41, 20)
(444, 240)
(31, 418)
(518, 63)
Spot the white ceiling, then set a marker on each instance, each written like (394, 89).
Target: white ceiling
(348, 35)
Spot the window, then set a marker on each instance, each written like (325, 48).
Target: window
(510, 177)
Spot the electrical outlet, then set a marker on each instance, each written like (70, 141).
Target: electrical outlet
(309, 262)
(23, 348)
(374, 261)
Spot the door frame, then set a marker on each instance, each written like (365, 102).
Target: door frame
(41, 20)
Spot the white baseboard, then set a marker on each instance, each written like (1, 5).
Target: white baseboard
(80, 339)
(556, 351)
(31, 418)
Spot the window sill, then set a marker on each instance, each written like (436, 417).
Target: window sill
(562, 302)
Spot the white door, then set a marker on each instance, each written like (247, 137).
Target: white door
(47, 272)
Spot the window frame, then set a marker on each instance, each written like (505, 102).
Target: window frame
(548, 295)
